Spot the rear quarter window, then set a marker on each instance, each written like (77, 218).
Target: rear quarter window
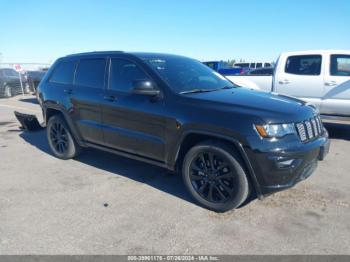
(340, 65)
(63, 73)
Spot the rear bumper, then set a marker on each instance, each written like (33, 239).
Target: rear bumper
(282, 169)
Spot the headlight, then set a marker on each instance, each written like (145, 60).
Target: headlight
(274, 130)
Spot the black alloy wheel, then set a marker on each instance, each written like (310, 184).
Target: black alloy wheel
(60, 138)
(214, 175)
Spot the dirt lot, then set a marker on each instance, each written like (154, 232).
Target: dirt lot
(104, 204)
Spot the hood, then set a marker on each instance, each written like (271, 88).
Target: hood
(271, 107)
(10, 78)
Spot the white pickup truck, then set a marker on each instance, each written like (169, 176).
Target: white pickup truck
(321, 77)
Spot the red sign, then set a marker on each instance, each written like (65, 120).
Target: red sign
(18, 67)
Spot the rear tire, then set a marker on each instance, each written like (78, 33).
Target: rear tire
(60, 138)
(214, 175)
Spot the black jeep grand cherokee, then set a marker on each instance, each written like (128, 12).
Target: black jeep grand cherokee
(177, 113)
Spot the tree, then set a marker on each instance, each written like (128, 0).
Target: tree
(231, 61)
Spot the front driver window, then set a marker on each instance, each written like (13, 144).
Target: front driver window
(123, 73)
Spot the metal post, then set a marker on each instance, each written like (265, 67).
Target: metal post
(20, 80)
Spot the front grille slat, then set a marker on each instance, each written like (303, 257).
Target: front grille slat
(301, 131)
(309, 129)
(314, 127)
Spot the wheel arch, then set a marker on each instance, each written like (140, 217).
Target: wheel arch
(50, 111)
(193, 137)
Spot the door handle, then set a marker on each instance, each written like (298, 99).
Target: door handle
(330, 83)
(110, 98)
(284, 82)
(68, 91)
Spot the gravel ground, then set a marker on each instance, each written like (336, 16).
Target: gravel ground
(104, 204)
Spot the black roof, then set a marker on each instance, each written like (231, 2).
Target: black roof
(96, 53)
(137, 54)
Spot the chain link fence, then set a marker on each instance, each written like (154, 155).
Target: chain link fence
(20, 78)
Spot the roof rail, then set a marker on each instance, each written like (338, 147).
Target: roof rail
(95, 53)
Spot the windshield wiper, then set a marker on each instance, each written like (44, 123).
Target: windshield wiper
(197, 91)
(227, 87)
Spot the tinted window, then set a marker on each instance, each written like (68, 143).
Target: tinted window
(340, 65)
(91, 73)
(252, 65)
(304, 65)
(123, 73)
(242, 64)
(36, 74)
(258, 65)
(63, 73)
(212, 65)
(10, 72)
(267, 65)
(185, 74)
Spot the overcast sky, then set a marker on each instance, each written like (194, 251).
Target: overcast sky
(43, 30)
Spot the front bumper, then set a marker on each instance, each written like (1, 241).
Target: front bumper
(281, 166)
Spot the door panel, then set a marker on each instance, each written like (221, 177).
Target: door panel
(336, 99)
(87, 113)
(87, 96)
(302, 77)
(132, 123)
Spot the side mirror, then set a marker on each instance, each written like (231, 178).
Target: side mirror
(144, 87)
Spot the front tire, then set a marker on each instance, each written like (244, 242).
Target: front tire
(60, 138)
(214, 175)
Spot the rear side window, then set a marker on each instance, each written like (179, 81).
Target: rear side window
(340, 65)
(63, 73)
(123, 73)
(304, 65)
(91, 73)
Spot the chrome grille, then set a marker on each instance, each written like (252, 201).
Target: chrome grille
(309, 129)
(314, 127)
(310, 134)
(301, 131)
(319, 125)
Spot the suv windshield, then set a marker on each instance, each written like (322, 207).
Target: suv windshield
(185, 74)
(9, 72)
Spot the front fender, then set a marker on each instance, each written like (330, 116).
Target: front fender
(173, 157)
